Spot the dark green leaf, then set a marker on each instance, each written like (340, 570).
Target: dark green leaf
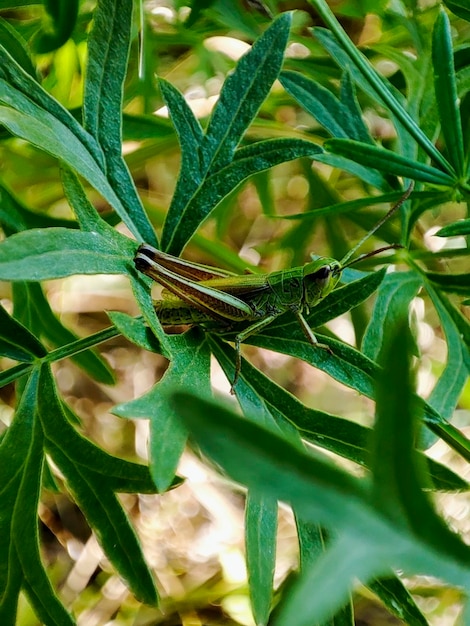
(89, 218)
(459, 7)
(14, 449)
(396, 290)
(319, 492)
(64, 15)
(387, 161)
(454, 230)
(265, 401)
(108, 51)
(32, 307)
(358, 128)
(246, 162)
(349, 58)
(189, 369)
(243, 93)
(312, 542)
(106, 516)
(446, 92)
(260, 544)
(454, 283)
(12, 41)
(93, 491)
(448, 389)
(370, 176)
(41, 254)
(353, 369)
(16, 341)
(399, 474)
(332, 114)
(24, 528)
(241, 97)
(197, 6)
(141, 286)
(57, 135)
(190, 136)
(398, 600)
(14, 216)
(23, 84)
(135, 331)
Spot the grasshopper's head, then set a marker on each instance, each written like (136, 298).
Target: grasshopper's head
(319, 279)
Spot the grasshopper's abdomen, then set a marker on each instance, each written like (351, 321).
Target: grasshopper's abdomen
(179, 314)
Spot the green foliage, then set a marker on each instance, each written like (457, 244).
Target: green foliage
(349, 527)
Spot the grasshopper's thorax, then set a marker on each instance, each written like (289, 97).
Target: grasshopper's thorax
(319, 279)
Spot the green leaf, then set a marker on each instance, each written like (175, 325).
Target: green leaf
(398, 600)
(133, 330)
(94, 493)
(333, 115)
(246, 162)
(456, 229)
(42, 254)
(273, 407)
(17, 47)
(16, 341)
(454, 283)
(350, 102)
(367, 542)
(50, 127)
(387, 161)
(63, 14)
(446, 92)
(14, 449)
(260, 544)
(329, 604)
(349, 58)
(461, 322)
(396, 290)
(108, 51)
(197, 6)
(88, 217)
(24, 524)
(242, 95)
(351, 368)
(447, 391)
(141, 288)
(14, 216)
(399, 474)
(105, 515)
(190, 136)
(33, 309)
(22, 84)
(459, 7)
(188, 369)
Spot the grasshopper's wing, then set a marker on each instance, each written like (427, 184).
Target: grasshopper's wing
(211, 301)
(193, 271)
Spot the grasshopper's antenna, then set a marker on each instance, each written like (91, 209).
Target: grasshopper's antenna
(395, 207)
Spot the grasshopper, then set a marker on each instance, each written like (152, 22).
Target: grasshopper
(217, 299)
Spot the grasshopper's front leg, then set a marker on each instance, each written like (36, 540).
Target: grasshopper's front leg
(309, 333)
(258, 326)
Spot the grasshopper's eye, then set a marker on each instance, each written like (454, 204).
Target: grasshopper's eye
(142, 263)
(321, 274)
